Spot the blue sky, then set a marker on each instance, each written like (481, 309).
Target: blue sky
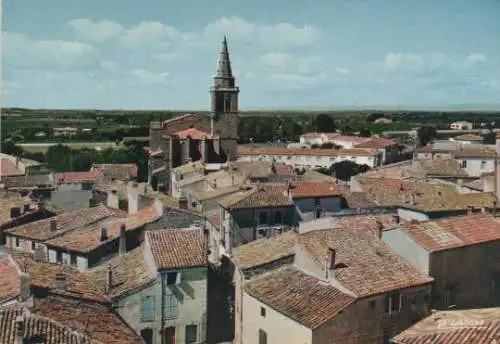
(162, 54)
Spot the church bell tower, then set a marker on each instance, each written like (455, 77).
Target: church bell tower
(224, 109)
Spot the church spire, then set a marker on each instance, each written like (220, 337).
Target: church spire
(224, 64)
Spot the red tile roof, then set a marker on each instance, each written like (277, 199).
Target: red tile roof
(377, 142)
(368, 223)
(299, 296)
(10, 285)
(468, 137)
(117, 171)
(77, 177)
(473, 326)
(454, 232)
(99, 324)
(35, 325)
(424, 149)
(9, 169)
(177, 248)
(192, 133)
(321, 188)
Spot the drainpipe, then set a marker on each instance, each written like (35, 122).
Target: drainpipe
(163, 285)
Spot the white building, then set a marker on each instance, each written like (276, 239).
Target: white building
(461, 125)
(468, 139)
(312, 158)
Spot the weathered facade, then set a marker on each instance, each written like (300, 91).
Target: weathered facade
(215, 138)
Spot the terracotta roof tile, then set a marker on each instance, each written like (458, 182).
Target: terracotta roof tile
(306, 189)
(99, 324)
(192, 133)
(10, 284)
(87, 239)
(77, 177)
(8, 168)
(38, 326)
(473, 326)
(129, 272)
(368, 223)
(43, 274)
(473, 152)
(265, 250)
(177, 248)
(377, 142)
(454, 232)
(371, 267)
(468, 137)
(299, 296)
(424, 149)
(41, 230)
(443, 167)
(305, 151)
(7, 202)
(262, 196)
(117, 171)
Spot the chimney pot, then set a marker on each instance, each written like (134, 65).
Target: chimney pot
(104, 234)
(53, 225)
(109, 279)
(396, 219)
(123, 239)
(331, 255)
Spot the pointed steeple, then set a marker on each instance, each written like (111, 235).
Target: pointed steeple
(224, 64)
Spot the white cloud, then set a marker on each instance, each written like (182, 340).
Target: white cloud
(95, 31)
(145, 78)
(20, 51)
(148, 33)
(431, 62)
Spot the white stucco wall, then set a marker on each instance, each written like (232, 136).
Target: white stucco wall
(475, 167)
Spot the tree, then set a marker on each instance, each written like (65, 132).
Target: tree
(346, 169)
(324, 123)
(426, 134)
(9, 147)
(365, 132)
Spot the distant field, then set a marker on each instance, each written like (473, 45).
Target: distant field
(43, 147)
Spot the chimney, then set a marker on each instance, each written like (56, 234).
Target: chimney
(183, 203)
(20, 328)
(380, 229)
(396, 219)
(53, 225)
(413, 199)
(25, 280)
(469, 211)
(109, 279)
(104, 234)
(26, 207)
(60, 281)
(215, 184)
(15, 212)
(331, 255)
(232, 180)
(123, 238)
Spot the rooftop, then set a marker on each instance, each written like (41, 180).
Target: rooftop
(177, 248)
(117, 171)
(468, 137)
(43, 275)
(7, 202)
(9, 169)
(35, 326)
(454, 232)
(10, 285)
(192, 133)
(260, 196)
(473, 326)
(473, 152)
(370, 267)
(307, 189)
(99, 324)
(377, 142)
(129, 273)
(77, 177)
(299, 296)
(41, 230)
(265, 250)
(367, 223)
(87, 239)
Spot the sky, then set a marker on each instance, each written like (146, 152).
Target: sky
(285, 54)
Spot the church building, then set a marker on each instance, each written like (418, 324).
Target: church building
(194, 137)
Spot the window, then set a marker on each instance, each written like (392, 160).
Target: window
(173, 278)
(169, 335)
(393, 303)
(171, 305)
(16, 242)
(278, 216)
(59, 257)
(191, 335)
(147, 310)
(147, 335)
(386, 336)
(463, 163)
(33, 245)
(73, 259)
(483, 164)
(37, 339)
(263, 218)
(262, 312)
(262, 337)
